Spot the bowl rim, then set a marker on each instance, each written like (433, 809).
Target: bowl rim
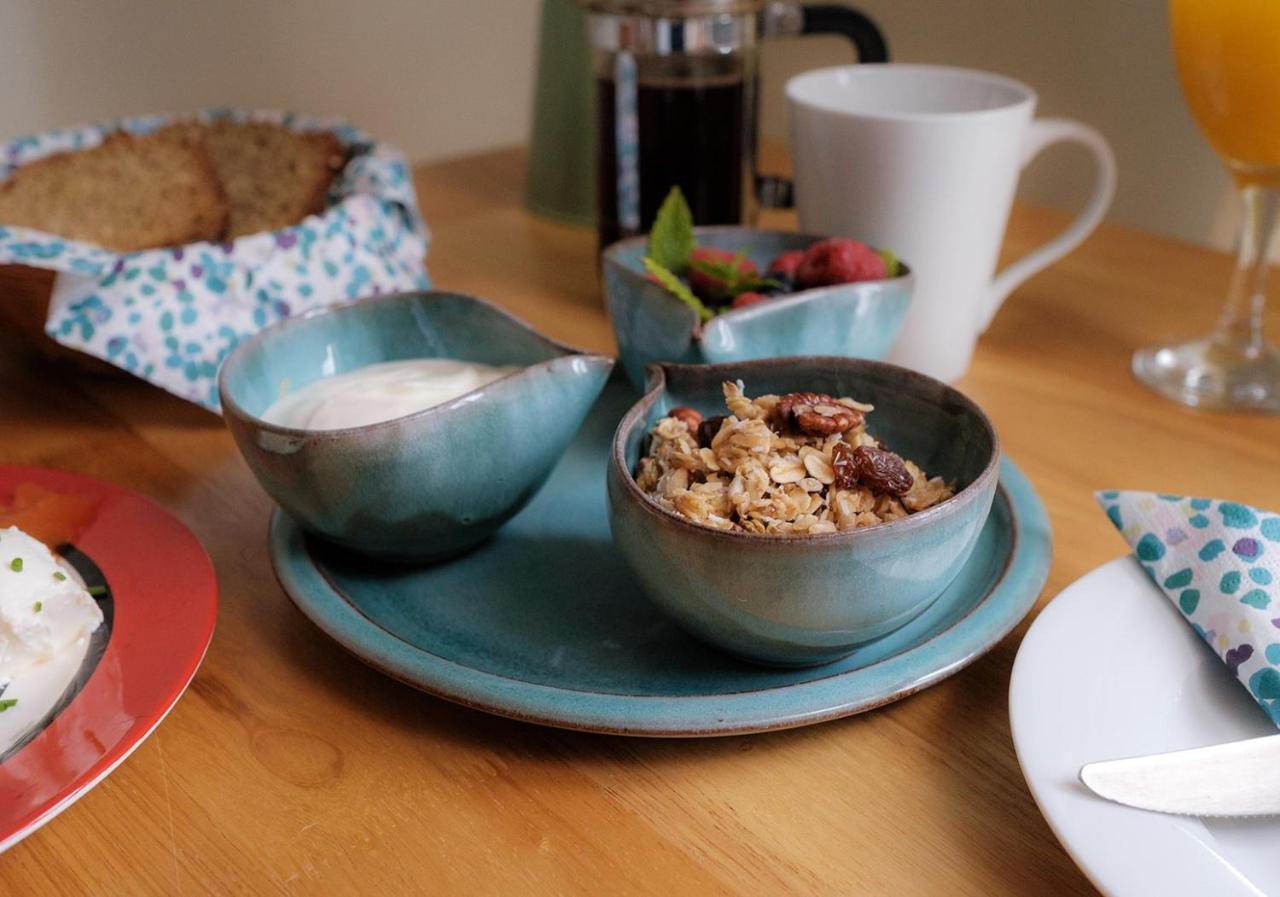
(230, 407)
(610, 253)
(656, 387)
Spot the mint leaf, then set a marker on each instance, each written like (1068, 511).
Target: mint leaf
(676, 287)
(735, 280)
(891, 265)
(671, 238)
(6, 703)
(719, 270)
(755, 284)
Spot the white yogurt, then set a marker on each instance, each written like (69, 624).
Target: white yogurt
(44, 612)
(380, 392)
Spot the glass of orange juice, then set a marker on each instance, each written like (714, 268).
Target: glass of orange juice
(1228, 58)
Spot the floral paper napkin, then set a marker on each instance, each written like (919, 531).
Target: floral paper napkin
(1219, 563)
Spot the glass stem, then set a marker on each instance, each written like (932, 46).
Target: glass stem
(1240, 328)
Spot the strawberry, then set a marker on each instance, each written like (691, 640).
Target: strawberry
(839, 260)
(785, 265)
(714, 286)
(742, 300)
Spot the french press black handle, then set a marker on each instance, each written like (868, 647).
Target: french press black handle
(844, 20)
(772, 191)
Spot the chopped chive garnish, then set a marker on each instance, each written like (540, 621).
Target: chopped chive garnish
(16, 565)
(95, 591)
(39, 606)
(6, 703)
(59, 576)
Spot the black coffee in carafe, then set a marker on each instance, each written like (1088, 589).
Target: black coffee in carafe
(676, 101)
(690, 133)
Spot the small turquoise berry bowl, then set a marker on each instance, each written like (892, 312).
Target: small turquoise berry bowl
(805, 600)
(855, 320)
(429, 485)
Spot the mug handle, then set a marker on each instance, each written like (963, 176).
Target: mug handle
(1042, 133)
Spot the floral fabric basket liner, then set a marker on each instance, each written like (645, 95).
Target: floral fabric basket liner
(172, 315)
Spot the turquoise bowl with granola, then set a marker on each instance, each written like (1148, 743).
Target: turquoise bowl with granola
(428, 485)
(853, 320)
(805, 599)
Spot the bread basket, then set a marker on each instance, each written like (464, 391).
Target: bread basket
(170, 315)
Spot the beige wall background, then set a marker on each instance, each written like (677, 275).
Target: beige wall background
(445, 77)
(435, 77)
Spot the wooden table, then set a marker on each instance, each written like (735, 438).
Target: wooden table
(290, 767)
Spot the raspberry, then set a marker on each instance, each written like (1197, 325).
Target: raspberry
(785, 265)
(742, 300)
(839, 260)
(709, 286)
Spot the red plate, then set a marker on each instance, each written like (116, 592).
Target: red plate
(163, 597)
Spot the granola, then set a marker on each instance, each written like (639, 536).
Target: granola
(802, 463)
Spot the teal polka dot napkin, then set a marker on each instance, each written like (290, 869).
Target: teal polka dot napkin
(1219, 563)
(172, 315)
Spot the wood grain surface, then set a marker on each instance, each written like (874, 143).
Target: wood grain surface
(291, 768)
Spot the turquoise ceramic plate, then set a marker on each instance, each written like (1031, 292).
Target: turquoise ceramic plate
(544, 623)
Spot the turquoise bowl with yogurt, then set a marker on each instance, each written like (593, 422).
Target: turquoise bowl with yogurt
(422, 486)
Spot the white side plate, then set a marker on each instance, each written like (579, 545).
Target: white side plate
(1109, 669)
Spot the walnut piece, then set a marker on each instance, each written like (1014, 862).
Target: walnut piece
(816, 414)
(690, 417)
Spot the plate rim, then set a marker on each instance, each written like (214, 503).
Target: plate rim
(1101, 875)
(200, 626)
(992, 618)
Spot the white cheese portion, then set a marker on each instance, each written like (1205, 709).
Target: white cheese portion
(44, 611)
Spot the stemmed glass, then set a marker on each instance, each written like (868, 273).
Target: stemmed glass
(1228, 58)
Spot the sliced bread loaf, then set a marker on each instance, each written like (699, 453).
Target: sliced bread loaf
(127, 193)
(273, 176)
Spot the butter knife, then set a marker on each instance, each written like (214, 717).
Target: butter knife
(1241, 778)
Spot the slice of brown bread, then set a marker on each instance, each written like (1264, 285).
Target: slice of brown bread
(273, 176)
(125, 194)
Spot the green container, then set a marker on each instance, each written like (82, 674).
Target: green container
(560, 180)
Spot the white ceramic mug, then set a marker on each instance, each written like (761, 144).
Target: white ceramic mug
(924, 161)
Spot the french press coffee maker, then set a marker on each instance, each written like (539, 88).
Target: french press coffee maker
(676, 102)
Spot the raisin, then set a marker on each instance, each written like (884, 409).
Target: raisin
(816, 414)
(843, 464)
(882, 470)
(708, 429)
(688, 416)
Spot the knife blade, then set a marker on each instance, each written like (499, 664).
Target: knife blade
(1241, 778)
